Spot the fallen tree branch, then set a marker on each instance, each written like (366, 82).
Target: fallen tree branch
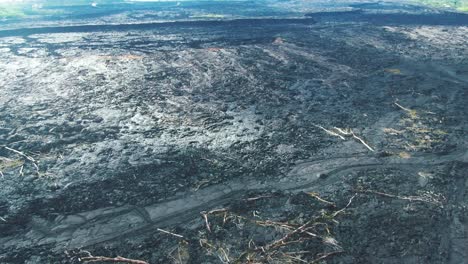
(205, 216)
(342, 131)
(326, 255)
(224, 258)
(282, 240)
(402, 107)
(345, 132)
(31, 159)
(362, 141)
(430, 200)
(344, 208)
(117, 259)
(316, 196)
(170, 233)
(258, 197)
(330, 132)
(295, 258)
(412, 113)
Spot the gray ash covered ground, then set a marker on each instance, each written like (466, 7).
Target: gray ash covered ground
(235, 134)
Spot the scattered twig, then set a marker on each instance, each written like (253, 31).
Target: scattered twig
(116, 259)
(274, 224)
(412, 113)
(407, 198)
(258, 198)
(362, 141)
(225, 257)
(295, 258)
(298, 252)
(330, 132)
(200, 184)
(344, 208)
(342, 132)
(293, 234)
(21, 154)
(326, 255)
(90, 258)
(220, 210)
(1, 174)
(31, 159)
(170, 233)
(402, 107)
(3, 219)
(282, 240)
(315, 195)
(205, 216)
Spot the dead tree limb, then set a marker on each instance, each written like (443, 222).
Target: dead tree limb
(362, 141)
(326, 255)
(205, 216)
(330, 132)
(258, 197)
(282, 240)
(169, 233)
(402, 107)
(344, 208)
(117, 259)
(316, 196)
(423, 199)
(345, 132)
(31, 159)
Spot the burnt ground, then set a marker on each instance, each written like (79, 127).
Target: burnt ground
(336, 137)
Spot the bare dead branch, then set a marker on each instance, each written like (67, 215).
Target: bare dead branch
(200, 184)
(402, 107)
(362, 141)
(326, 255)
(430, 200)
(205, 216)
(282, 240)
(31, 159)
(298, 252)
(220, 210)
(315, 195)
(258, 198)
(342, 131)
(214, 211)
(344, 208)
(295, 258)
(224, 258)
(273, 223)
(170, 233)
(330, 132)
(117, 259)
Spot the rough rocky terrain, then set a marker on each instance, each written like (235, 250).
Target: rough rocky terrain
(335, 137)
